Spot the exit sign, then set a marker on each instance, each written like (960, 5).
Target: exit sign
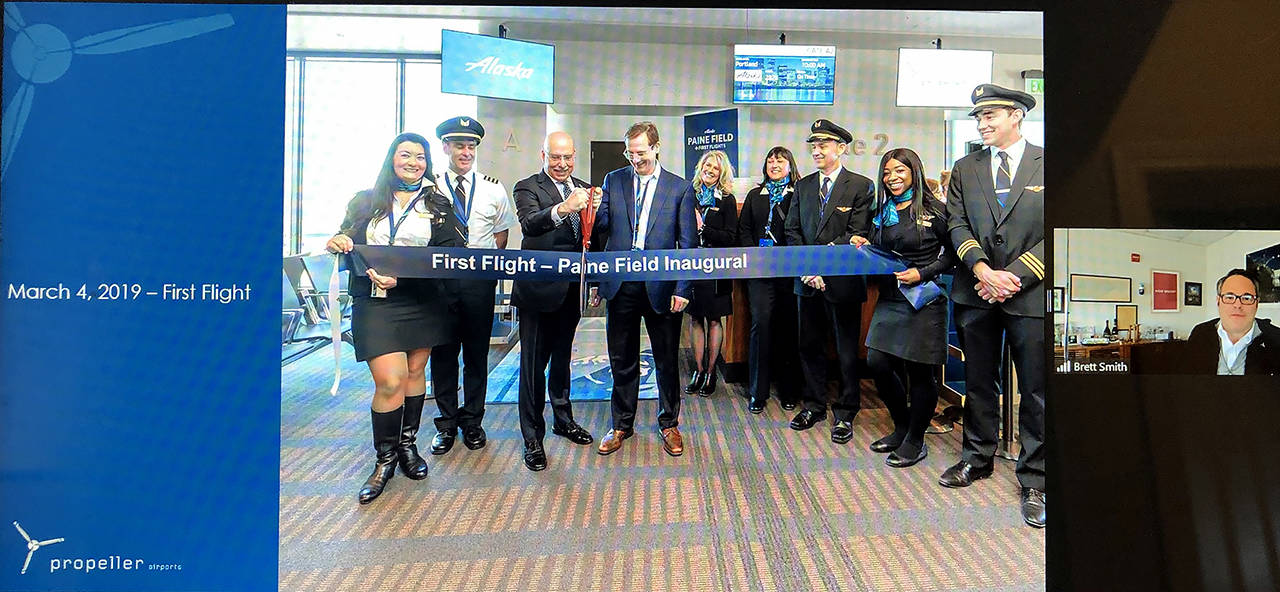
(1035, 86)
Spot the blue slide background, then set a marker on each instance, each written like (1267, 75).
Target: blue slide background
(146, 429)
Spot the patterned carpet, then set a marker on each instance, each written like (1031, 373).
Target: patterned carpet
(588, 368)
(752, 505)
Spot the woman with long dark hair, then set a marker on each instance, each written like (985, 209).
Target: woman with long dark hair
(774, 353)
(396, 322)
(717, 217)
(905, 345)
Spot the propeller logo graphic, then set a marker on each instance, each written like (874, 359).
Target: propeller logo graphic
(42, 54)
(32, 545)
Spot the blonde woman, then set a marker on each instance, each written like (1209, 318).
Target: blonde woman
(716, 214)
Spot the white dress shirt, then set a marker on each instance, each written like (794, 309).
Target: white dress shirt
(831, 184)
(1015, 158)
(556, 218)
(650, 191)
(492, 208)
(413, 231)
(1231, 351)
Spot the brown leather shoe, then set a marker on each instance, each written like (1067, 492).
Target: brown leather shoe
(612, 441)
(672, 443)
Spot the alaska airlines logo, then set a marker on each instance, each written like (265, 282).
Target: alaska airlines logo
(491, 66)
(32, 545)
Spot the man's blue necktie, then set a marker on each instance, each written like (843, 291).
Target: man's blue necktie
(1003, 180)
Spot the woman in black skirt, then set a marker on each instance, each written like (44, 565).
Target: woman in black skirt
(905, 345)
(396, 322)
(774, 352)
(717, 218)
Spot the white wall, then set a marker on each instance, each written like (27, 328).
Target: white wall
(1107, 252)
(597, 100)
(1228, 254)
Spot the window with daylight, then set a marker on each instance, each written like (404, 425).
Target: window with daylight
(342, 110)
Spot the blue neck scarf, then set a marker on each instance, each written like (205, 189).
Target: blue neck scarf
(402, 186)
(777, 189)
(888, 214)
(706, 197)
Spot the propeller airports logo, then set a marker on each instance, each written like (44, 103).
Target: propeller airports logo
(32, 545)
(42, 53)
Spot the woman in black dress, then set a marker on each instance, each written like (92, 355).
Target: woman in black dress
(717, 218)
(774, 352)
(396, 322)
(905, 345)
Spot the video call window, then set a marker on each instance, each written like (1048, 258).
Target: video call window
(1148, 302)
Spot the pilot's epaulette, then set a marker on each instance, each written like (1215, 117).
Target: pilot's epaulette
(489, 179)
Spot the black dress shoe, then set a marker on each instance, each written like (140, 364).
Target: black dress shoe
(788, 404)
(888, 443)
(807, 418)
(708, 383)
(842, 432)
(473, 437)
(443, 442)
(535, 458)
(695, 383)
(963, 474)
(1033, 507)
(899, 462)
(574, 433)
(756, 407)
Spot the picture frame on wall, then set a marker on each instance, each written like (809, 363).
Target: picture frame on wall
(1265, 265)
(1164, 291)
(1056, 296)
(1192, 293)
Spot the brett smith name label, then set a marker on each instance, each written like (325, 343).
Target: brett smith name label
(1108, 367)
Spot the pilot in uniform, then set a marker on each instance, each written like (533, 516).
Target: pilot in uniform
(484, 212)
(996, 222)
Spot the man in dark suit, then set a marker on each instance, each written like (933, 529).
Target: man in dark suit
(548, 205)
(830, 206)
(644, 206)
(996, 209)
(1236, 343)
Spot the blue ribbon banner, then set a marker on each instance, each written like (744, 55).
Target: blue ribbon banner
(639, 266)
(627, 266)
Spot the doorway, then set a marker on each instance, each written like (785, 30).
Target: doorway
(606, 157)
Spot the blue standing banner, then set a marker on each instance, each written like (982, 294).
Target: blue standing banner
(704, 132)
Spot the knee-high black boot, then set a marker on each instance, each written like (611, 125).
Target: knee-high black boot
(412, 465)
(386, 434)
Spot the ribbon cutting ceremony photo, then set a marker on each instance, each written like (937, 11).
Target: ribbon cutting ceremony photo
(777, 275)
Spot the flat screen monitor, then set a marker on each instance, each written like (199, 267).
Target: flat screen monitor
(487, 66)
(941, 77)
(784, 74)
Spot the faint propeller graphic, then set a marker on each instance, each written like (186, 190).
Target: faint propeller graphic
(42, 53)
(32, 545)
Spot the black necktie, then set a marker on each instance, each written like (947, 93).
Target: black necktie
(1003, 180)
(575, 219)
(460, 206)
(826, 194)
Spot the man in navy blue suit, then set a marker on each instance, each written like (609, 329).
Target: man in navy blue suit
(644, 207)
